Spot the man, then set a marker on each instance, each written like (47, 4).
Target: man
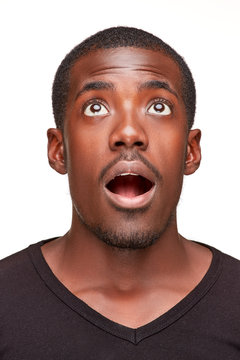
(122, 283)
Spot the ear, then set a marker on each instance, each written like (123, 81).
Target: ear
(193, 155)
(56, 150)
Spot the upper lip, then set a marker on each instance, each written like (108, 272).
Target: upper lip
(135, 167)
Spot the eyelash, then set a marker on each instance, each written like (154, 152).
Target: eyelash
(164, 101)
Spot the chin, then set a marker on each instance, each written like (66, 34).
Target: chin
(129, 236)
(133, 240)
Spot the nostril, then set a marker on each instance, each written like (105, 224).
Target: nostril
(122, 143)
(119, 143)
(138, 143)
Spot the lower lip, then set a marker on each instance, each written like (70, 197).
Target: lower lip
(135, 202)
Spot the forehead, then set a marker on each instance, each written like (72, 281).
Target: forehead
(125, 65)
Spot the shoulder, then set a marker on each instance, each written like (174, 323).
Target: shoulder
(21, 263)
(230, 264)
(226, 263)
(12, 264)
(226, 290)
(18, 275)
(230, 271)
(16, 272)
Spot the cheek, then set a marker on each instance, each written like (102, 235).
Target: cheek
(84, 159)
(170, 147)
(171, 150)
(79, 165)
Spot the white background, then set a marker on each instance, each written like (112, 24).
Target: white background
(36, 35)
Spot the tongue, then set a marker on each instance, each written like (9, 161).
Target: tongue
(129, 185)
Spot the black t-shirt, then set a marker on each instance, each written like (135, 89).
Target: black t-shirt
(41, 319)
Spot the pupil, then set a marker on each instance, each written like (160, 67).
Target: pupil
(159, 107)
(95, 108)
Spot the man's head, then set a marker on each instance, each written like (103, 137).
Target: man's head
(113, 38)
(125, 141)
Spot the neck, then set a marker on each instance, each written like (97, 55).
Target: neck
(130, 287)
(81, 252)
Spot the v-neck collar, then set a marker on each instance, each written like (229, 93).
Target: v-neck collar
(121, 331)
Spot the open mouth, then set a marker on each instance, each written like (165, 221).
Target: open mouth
(129, 185)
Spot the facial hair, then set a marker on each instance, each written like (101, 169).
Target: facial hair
(126, 240)
(133, 239)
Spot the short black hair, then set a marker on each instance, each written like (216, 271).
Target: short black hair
(115, 37)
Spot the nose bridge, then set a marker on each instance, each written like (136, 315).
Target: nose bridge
(128, 121)
(128, 130)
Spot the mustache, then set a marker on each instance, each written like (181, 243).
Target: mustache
(131, 156)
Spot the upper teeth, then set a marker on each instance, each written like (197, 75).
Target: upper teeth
(124, 174)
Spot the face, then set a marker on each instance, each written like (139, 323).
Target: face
(125, 144)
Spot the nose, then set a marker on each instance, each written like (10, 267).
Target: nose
(128, 133)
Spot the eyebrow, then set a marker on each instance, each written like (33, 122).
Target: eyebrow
(95, 85)
(103, 85)
(156, 84)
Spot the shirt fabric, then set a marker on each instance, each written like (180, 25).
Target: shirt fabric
(41, 319)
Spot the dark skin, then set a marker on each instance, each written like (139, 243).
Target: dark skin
(118, 115)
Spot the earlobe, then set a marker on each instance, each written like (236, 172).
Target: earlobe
(56, 150)
(193, 155)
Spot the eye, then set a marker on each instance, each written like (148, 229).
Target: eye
(159, 108)
(95, 109)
